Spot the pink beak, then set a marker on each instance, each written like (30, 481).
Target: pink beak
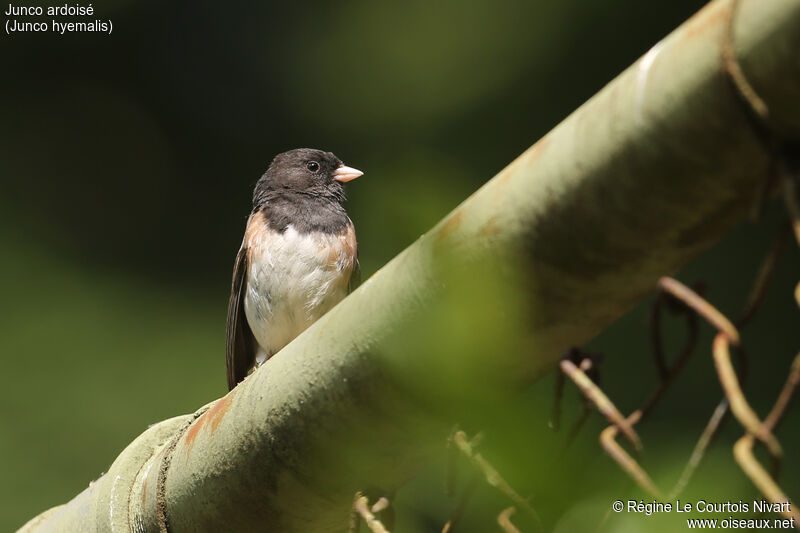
(344, 174)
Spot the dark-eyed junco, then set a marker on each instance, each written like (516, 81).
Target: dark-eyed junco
(298, 259)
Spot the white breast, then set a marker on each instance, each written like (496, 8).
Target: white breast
(293, 279)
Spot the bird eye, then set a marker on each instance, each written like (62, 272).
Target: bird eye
(313, 166)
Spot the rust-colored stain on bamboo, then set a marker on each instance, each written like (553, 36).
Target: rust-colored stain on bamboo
(450, 225)
(490, 228)
(707, 19)
(213, 416)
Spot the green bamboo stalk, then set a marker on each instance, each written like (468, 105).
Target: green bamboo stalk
(643, 177)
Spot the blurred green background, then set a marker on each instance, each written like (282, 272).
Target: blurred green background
(127, 166)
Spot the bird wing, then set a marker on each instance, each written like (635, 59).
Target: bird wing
(355, 275)
(240, 346)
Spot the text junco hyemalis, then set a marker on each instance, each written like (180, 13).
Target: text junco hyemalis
(298, 259)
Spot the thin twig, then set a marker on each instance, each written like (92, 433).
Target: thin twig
(763, 278)
(734, 70)
(677, 306)
(785, 397)
(739, 406)
(700, 448)
(743, 452)
(504, 520)
(381, 505)
(458, 512)
(701, 306)
(668, 373)
(587, 363)
(599, 398)
(493, 477)
(355, 520)
(655, 336)
(608, 440)
(361, 506)
(743, 449)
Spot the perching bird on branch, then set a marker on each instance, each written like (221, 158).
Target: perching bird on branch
(298, 259)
